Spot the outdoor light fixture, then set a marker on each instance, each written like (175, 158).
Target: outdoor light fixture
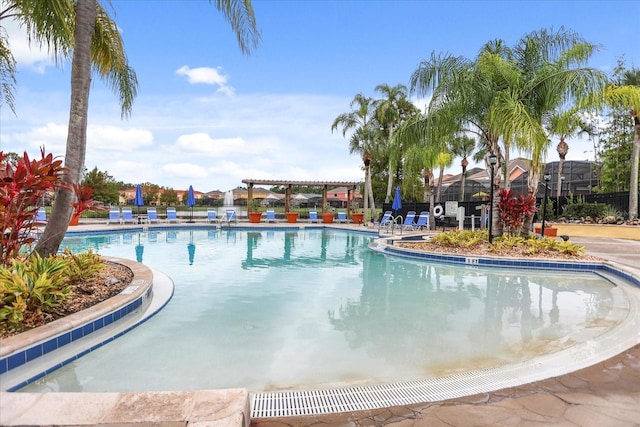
(493, 160)
(547, 178)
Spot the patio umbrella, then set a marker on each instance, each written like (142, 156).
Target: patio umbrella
(138, 201)
(397, 201)
(191, 200)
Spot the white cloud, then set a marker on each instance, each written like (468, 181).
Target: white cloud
(114, 138)
(185, 170)
(202, 143)
(206, 75)
(28, 55)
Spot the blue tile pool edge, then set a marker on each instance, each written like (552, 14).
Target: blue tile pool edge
(48, 345)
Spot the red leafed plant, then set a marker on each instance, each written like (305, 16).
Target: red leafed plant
(513, 210)
(84, 200)
(22, 184)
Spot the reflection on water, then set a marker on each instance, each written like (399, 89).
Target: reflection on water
(312, 308)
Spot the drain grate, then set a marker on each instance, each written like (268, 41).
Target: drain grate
(332, 401)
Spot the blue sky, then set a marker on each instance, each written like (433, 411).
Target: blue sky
(208, 116)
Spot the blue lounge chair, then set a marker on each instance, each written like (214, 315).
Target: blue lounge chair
(231, 216)
(271, 216)
(41, 215)
(313, 216)
(114, 216)
(172, 215)
(385, 221)
(152, 215)
(342, 217)
(212, 215)
(409, 221)
(127, 216)
(423, 220)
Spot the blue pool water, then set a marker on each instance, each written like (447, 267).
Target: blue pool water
(300, 309)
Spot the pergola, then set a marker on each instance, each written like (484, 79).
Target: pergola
(288, 184)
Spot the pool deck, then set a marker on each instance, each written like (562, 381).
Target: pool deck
(605, 394)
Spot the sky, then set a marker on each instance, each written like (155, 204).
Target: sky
(206, 115)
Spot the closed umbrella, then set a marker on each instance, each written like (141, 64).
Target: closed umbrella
(191, 200)
(138, 201)
(397, 201)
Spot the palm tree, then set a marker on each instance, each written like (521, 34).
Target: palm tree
(84, 28)
(362, 121)
(391, 111)
(562, 125)
(628, 97)
(463, 146)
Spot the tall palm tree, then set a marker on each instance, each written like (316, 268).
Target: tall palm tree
(563, 125)
(84, 28)
(362, 121)
(391, 111)
(463, 146)
(628, 97)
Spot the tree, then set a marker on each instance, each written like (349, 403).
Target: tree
(463, 146)
(84, 28)
(390, 112)
(168, 197)
(625, 95)
(563, 125)
(105, 187)
(150, 193)
(361, 120)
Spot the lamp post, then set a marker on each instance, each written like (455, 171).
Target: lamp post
(493, 159)
(547, 178)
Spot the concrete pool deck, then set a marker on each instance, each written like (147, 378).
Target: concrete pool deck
(605, 394)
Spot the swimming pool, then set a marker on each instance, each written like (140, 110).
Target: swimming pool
(301, 309)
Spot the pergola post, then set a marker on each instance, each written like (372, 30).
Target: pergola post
(324, 198)
(250, 197)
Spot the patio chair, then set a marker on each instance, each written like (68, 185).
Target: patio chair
(212, 215)
(409, 221)
(271, 216)
(385, 221)
(342, 217)
(152, 215)
(114, 216)
(313, 216)
(423, 220)
(41, 215)
(231, 216)
(127, 216)
(172, 215)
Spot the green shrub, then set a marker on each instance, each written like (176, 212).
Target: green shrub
(84, 266)
(31, 287)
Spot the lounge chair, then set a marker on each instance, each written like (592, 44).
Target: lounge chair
(423, 220)
(342, 217)
(127, 216)
(114, 216)
(172, 215)
(231, 216)
(212, 215)
(152, 215)
(313, 216)
(41, 215)
(271, 216)
(409, 221)
(385, 220)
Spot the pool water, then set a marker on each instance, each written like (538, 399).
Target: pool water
(307, 309)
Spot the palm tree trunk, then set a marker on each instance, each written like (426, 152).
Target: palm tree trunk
(77, 133)
(372, 202)
(635, 164)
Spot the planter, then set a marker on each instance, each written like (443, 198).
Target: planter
(327, 218)
(548, 231)
(254, 217)
(292, 216)
(357, 218)
(75, 220)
